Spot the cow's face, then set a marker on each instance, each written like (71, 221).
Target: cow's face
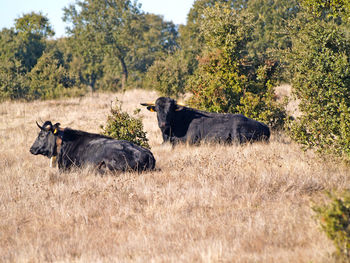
(165, 108)
(46, 141)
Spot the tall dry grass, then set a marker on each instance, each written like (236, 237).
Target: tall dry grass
(210, 203)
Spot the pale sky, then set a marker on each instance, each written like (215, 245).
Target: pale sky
(171, 10)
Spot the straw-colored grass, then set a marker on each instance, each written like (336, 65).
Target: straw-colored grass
(209, 203)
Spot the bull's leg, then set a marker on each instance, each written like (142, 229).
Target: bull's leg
(101, 167)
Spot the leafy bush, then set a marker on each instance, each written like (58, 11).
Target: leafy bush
(13, 82)
(263, 106)
(330, 8)
(168, 76)
(121, 126)
(226, 80)
(49, 79)
(335, 222)
(320, 66)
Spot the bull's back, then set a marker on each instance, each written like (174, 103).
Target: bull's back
(122, 155)
(227, 128)
(113, 154)
(252, 130)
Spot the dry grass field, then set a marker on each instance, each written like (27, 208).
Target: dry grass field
(209, 203)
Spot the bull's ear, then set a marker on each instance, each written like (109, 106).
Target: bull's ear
(47, 126)
(55, 128)
(151, 108)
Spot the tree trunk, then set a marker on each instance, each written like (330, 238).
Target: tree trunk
(92, 82)
(124, 73)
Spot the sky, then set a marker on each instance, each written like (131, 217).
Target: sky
(171, 10)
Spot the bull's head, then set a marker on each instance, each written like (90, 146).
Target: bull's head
(165, 108)
(45, 143)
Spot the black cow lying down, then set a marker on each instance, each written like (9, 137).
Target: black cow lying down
(75, 148)
(182, 124)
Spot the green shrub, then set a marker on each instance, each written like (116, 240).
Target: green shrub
(226, 80)
(49, 79)
(263, 106)
(168, 76)
(335, 222)
(121, 126)
(13, 82)
(320, 66)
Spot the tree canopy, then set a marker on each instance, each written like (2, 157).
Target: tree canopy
(116, 31)
(34, 24)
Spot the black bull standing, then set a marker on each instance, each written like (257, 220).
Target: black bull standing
(182, 124)
(74, 148)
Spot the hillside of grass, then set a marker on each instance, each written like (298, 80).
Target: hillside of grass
(208, 203)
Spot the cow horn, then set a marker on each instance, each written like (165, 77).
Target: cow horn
(41, 128)
(148, 104)
(44, 127)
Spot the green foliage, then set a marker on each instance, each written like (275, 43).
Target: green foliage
(216, 86)
(24, 47)
(320, 66)
(335, 222)
(219, 81)
(19, 53)
(168, 76)
(190, 39)
(226, 80)
(32, 29)
(118, 32)
(29, 72)
(268, 33)
(13, 83)
(157, 39)
(121, 126)
(49, 79)
(109, 43)
(263, 106)
(329, 8)
(34, 24)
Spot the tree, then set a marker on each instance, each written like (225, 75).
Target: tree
(117, 35)
(34, 24)
(328, 7)
(12, 80)
(157, 40)
(226, 80)
(50, 78)
(271, 19)
(168, 75)
(319, 63)
(268, 35)
(219, 80)
(20, 49)
(31, 31)
(190, 39)
(102, 27)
